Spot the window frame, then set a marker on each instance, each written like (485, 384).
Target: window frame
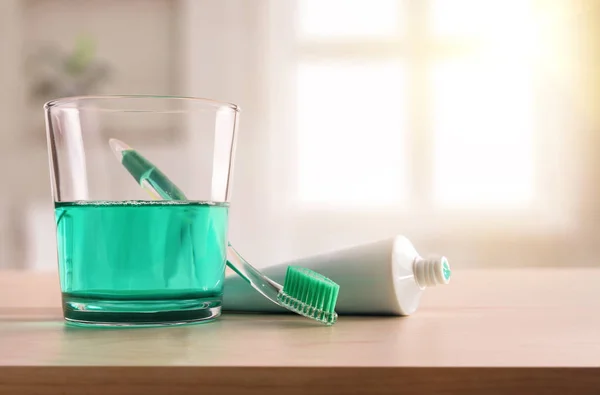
(555, 187)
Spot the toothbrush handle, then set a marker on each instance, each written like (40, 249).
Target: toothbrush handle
(267, 287)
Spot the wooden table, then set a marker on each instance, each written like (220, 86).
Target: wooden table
(490, 331)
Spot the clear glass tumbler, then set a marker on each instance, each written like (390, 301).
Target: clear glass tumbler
(127, 257)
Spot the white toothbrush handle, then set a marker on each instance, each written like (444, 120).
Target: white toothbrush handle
(264, 285)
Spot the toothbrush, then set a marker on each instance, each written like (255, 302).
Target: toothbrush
(304, 291)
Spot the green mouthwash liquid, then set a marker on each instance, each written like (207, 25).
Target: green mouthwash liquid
(141, 262)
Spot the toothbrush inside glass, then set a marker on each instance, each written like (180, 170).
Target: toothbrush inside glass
(304, 292)
(148, 176)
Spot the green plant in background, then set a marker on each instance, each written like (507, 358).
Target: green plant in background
(55, 73)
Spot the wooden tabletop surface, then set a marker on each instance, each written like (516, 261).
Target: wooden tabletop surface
(535, 330)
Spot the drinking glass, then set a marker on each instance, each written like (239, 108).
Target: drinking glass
(125, 257)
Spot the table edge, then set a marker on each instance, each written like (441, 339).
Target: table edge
(292, 380)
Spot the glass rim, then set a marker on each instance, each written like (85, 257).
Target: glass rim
(63, 101)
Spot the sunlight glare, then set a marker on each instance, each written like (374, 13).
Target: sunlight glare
(348, 18)
(350, 132)
(483, 133)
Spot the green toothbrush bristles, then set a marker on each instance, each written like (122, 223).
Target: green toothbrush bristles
(309, 294)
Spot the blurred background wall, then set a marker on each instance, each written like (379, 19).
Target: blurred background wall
(471, 126)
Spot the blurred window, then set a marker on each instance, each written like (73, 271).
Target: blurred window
(429, 101)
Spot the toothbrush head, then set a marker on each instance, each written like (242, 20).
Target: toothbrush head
(310, 294)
